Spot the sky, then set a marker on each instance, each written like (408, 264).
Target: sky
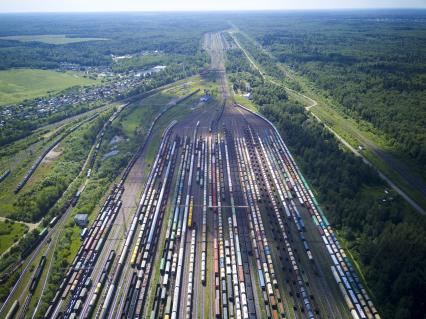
(196, 5)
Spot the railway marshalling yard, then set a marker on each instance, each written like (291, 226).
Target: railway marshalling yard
(220, 225)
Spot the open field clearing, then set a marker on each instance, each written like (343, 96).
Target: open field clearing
(10, 232)
(50, 38)
(17, 85)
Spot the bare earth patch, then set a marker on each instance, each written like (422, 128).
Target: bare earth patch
(52, 155)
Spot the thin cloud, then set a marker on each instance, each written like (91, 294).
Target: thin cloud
(195, 5)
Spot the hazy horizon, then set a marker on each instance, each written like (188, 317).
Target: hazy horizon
(34, 6)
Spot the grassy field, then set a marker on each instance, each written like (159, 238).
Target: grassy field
(19, 84)
(10, 232)
(139, 118)
(247, 103)
(143, 61)
(49, 38)
(136, 119)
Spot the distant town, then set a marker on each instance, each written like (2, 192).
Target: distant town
(112, 86)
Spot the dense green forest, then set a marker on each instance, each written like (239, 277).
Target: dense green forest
(383, 233)
(125, 34)
(373, 64)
